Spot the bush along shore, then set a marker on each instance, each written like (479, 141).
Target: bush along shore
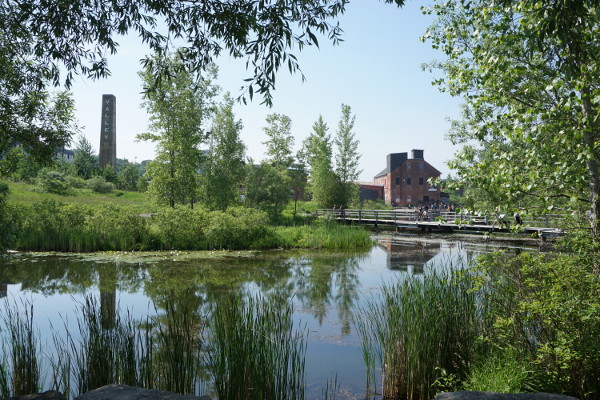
(54, 226)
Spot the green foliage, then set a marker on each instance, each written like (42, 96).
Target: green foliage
(85, 161)
(418, 327)
(501, 372)
(19, 165)
(23, 369)
(75, 182)
(128, 177)
(321, 176)
(256, 351)
(49, 225)
(322, 236)
(6, 221)
(177, 106)
(52, 181)
(347, 158)
(548, 307)
(99, 185)
(267, 189)
(376, 205)
(528, 73)
(223, 171)
(180, 228)
(280, 142)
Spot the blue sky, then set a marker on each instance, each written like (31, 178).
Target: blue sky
(376, 70)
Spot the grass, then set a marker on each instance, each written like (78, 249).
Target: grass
(23, 193)
(20, 373)
(502, 372)
(418, 327)
(256, 353)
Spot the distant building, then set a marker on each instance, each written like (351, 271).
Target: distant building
(404, 181)
(64, 154)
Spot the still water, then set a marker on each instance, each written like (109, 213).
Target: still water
(325, 288)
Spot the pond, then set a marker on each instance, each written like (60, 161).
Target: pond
(325, 288)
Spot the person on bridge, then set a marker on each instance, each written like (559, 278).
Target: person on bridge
(518, 220)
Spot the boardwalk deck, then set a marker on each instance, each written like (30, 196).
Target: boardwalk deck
(441, 221)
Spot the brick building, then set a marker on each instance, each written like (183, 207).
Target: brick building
(405, 180)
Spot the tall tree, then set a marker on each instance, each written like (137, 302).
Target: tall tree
(529, 75)
(85, 161)
(267, 188)
(280, 142)
(224, 169)
(177, 108)
(323, 182)
(347, 157)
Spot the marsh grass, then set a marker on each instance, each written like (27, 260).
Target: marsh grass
(20, 371)
(54, 226)
(255, 352)
(173, 361)
(325, 236)
(419, 326)
(106, 352)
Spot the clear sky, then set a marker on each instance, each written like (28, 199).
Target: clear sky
(376, 70)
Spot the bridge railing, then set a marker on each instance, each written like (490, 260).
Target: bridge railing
(412, 215)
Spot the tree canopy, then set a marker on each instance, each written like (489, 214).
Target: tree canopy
(529, 77)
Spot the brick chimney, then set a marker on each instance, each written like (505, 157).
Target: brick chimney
(417, 154)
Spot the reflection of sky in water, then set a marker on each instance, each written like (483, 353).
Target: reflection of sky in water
(325, 290)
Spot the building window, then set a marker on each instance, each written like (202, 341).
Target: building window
(409, 199)
(426, 199)
(408, 182)
(397, 180)
(421, 181)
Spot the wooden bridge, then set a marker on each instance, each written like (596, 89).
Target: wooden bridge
(543, 226)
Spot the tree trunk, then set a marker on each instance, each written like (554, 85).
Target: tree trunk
(591, 138)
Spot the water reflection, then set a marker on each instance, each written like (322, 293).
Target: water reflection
(324, 287)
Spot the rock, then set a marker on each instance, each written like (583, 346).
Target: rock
(49, 395)
(500, 396)
(124, 392)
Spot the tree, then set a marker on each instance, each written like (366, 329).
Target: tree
(280, 143)
(177, 107)
(323, 183)
(224, 169)
(267, 188)
(529, 75)
(347, 157)
(48, 44)
(86, 163)
(128, 176)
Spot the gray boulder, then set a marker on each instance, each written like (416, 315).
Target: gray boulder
(124, 392)
(49, 395)
(500, 396)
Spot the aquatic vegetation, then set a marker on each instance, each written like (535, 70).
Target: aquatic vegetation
(255, 352)
(53, 226)
(20, 372)
(419, 326)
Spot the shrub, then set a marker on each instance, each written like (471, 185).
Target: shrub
(548, 307)
(99, 185)
(52, 181)
(75, 182)
(180, 228)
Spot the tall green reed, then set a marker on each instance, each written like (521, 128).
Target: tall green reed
(255, 352)
(20, 372)
(106, 352)
(419, 326)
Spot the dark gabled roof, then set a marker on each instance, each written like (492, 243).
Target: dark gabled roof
(382, 173)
